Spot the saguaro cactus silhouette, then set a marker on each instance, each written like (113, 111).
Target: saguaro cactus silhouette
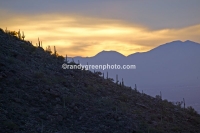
(23, 36)
(117, 79)
(19, 34)
(135, 87)
(65, 60)
(160, 95)
(6, 31)
(184, 103)
(41, 43)
(55, 52)
(38, 42)
(49, 49)
(107, 76)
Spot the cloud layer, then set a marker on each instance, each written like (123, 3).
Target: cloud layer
(86, 36)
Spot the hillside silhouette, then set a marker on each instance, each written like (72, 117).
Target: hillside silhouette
(38, 96)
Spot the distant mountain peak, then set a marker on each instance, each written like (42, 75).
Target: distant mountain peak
(171, 46)
(175, 45)
(109, 53)
(188, 41)
(180, 42)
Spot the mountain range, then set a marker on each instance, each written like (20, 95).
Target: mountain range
(173, 68)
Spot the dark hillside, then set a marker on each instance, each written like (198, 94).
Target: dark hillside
(38, 96)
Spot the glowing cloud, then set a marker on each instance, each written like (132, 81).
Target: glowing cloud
(84, 36)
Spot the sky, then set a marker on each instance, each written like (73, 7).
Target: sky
(87, 27)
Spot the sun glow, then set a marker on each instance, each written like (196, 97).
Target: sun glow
(85, 36)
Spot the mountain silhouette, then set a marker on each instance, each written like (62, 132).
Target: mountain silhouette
(174, 63)
(167, 68)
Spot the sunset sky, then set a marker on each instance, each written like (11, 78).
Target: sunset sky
(86, 27)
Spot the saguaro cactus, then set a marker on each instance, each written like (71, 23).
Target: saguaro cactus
(65, 60)
(19, 34)
(6, 31)
(41, 43)
(117, 79)
(55, 52)
(135, 87)
(160, 95)
(120, 84)
(49, 49)
(38, 42)
(184, 103)
(23, 36)
(107, 76)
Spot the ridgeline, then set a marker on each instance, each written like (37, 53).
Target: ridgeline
(38, 96)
